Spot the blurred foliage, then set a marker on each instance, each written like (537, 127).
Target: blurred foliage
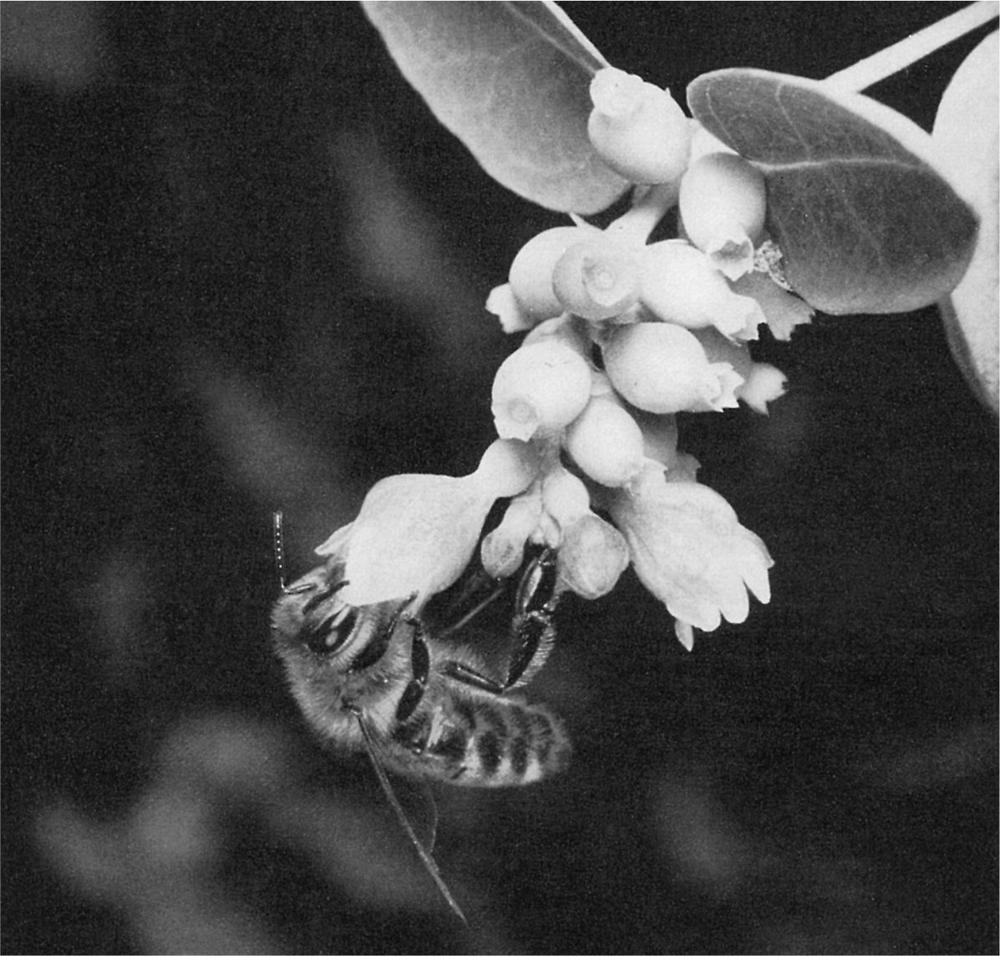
(246, 270)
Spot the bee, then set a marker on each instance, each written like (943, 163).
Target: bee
(422, 704)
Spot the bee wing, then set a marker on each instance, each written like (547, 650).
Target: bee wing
(371, 745)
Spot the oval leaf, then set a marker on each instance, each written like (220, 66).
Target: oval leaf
(866, 223)
(511, 81)
(965, 131)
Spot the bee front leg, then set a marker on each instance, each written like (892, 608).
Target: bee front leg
(420, 662)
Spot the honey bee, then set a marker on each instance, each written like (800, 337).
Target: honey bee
(407, 690)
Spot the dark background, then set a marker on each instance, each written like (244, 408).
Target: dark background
(244, 269)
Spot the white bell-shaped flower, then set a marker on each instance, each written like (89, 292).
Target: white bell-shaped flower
(782, 311)
(564, 497)
(678, 283)
(689, 549)
(591, 558)
(637, 128)
(762, 383)
(606, 442)
(597, 279)
(415, 534)
(502, 550)
(663, 368)
(722, 205)
(541, 387)
(530, 276)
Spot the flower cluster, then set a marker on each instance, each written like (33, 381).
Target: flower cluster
(622, 334)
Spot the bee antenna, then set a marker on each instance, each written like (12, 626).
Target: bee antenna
(278, 519)
(425, 857)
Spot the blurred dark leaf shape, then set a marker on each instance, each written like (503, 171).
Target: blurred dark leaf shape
(121, 600)
(864, 221)
(167, 863)
(266, 451)
(511, 81)
(965, 131)
(58, 45)
(939, 762)
(810, 881)
(401, 248)
(704, 845)
(171, 901)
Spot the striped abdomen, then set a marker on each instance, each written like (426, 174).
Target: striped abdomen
(483, 741)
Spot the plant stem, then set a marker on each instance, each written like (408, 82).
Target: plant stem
(652, 205)
(899, 56)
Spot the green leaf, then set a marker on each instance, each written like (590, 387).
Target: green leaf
(966, 133)
(865, 220)
(511, 81)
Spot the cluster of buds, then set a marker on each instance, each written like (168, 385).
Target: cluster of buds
(622, 334)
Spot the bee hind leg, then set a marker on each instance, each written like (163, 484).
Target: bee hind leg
(532, 629)
(535, 634)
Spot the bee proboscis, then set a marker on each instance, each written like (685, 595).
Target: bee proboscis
(413, 695)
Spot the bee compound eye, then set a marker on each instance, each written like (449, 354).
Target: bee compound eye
(329, 634)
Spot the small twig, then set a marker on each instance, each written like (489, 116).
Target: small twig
(899, 56)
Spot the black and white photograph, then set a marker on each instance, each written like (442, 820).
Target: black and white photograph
(499, 477)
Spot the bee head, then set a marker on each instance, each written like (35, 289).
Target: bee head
(310, 614)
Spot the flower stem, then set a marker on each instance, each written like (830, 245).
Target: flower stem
(648, 209)
(899, 56)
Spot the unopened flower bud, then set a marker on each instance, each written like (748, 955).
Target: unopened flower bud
(502, 303)
(679, 284)
(606, 443)
(722, 206)
(764, 384)
(507, 468)
(597, 279)
(592, 557)
(663, 368)
(684, 633)
(502, 550)
(541, 387)
(637, 128)
(531, 270)
(564, 497)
